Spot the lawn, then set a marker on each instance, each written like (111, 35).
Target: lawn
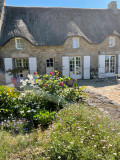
(77, 132)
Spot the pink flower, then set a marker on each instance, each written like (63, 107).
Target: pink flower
(104, 141)
(51, 73)
(61, 83)
(34, 73)
(29, 140)
(46, 85)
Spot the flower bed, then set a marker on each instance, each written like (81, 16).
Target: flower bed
(45, 95)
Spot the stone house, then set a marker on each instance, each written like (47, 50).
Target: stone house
(73, 41)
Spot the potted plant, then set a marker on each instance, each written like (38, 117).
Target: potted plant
(69, 82)
(16, 74)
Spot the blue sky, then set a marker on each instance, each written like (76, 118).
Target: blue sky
(62, 3)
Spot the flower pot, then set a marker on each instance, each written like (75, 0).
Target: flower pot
(69, 83)
(14, 81)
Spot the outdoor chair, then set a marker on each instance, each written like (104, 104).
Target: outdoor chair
(102, 76)
(94, 77)
(98, 77)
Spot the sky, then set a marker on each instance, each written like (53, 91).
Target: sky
(62, 3)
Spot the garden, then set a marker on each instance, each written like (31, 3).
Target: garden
(46, 119)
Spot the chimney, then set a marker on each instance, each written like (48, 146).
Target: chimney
(113, 6)
(2, 4)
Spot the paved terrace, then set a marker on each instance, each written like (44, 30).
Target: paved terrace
(108, 88)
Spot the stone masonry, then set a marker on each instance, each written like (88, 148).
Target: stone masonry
(43, 52)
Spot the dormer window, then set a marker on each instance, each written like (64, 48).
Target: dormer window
(19, 43)
(75, 42)
(112, 42)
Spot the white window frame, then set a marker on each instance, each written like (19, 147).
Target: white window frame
(75, 42)
(21, 44)
(112, 42)
(21, 73)
(111, 73)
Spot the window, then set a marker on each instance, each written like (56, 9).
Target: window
(109, 64)
(111, 41)
(75, 66)
(19, 43)
(75, 42)
(22, 64)
(50, 62)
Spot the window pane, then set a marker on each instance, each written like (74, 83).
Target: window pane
(50, 62)
(75, 42)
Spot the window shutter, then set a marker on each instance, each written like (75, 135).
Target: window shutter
(32, 65)
(8, 65)
(65, 66)
(86, 67)
(118, 63)
(101, 63)
(113, 41)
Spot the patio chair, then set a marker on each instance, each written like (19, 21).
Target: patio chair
(94, 77)
(102, 76)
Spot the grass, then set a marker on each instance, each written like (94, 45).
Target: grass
(78, 133)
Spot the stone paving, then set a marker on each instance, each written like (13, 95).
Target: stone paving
(108, 88)
(103, 95)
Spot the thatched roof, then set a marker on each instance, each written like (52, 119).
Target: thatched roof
(52, 26)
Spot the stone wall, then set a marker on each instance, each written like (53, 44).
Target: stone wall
(43, 52)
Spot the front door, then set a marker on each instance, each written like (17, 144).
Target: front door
(75, 67)
(110, 65)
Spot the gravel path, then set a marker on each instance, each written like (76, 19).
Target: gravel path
(105, 105)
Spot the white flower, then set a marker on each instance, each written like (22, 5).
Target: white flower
(33, 110)
(59, 157)
(30, 76)
(51, 146)
(21, 80)
(23, 94)
(21, 111)
(29, 111)
(26, 80)
(24, 83)
(115, 154)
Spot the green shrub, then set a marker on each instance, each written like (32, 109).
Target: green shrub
(8, 100)
(32, 106)
(43, 118)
